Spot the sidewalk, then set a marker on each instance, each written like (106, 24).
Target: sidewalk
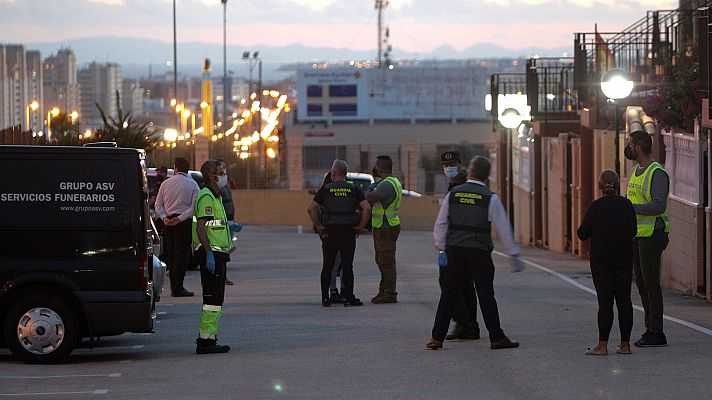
(677, 305)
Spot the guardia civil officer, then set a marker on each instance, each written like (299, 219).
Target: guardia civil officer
(212, 232)
(386, 201)
(648, 188)
(464, 314)
(339, 200)
(463, 230)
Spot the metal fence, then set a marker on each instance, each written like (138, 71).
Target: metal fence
(550, 86)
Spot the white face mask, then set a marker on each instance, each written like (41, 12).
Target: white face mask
(222, 181)
(451, 172)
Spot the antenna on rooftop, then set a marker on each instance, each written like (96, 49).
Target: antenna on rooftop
(380, 5)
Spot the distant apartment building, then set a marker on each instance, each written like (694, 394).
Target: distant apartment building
(35, 92)
(98, 85)
(20, 85)
(61, 88)
(132, 95)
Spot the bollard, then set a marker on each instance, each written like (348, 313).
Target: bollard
(300, 229)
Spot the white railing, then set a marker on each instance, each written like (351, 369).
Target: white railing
(684, 161)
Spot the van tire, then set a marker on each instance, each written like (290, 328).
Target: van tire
(48, 326)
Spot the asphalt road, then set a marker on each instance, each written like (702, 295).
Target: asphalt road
(285, 345)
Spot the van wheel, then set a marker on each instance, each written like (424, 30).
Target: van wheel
(41, 329)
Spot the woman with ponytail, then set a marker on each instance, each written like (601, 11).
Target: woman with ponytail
(611, 225)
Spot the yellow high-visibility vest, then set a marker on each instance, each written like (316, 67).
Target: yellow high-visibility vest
(218, 232)
(639, 193)
(391, 213)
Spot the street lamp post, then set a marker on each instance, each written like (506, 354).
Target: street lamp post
(51, 114)
(510, 119)
(617, 85)
(30, 107)
(251, 62)
(224, 3)
(170, 136)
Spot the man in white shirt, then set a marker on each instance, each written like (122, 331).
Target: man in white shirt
(463, 231)
(174, 205)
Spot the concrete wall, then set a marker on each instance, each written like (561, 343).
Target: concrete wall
(289, 207)
(683, 260)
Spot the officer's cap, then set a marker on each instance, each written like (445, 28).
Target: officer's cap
(450, 156)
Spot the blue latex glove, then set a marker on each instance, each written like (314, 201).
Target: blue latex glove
(442, 259)
(210, 262)
(235, 226)
(517, 264)
(372, 186)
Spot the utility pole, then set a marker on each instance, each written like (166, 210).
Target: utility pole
(224, 125)
(175, 62)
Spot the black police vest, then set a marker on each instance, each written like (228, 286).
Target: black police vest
(468, 217)
(340, 203)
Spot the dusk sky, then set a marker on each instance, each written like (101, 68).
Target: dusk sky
(415, 25)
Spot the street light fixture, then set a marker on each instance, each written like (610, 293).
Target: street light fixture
(51, 114)
(617, 85)
(510, 118)
(33, 106)
(170, 136)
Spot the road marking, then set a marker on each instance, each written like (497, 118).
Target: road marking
(134, 347)
(162, 313)
(98, 391)
(111, 375)
(585, 288)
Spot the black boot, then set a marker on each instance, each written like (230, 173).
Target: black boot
(336, 297)
(210, 346)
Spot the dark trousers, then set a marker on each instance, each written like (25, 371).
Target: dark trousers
(178, 247)
(466, 265)
(345, 245)
(612, 280)
(384, 242)
(646, 267)
(464, 314)
(213, 283)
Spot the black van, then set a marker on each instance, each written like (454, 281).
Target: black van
(75, 248)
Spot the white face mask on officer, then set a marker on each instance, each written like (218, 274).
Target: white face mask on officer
(222, 181)
(451, 172)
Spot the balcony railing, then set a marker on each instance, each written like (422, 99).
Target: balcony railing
(504, 84)
(646, 49)
(550, 86)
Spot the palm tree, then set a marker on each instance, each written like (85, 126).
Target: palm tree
(125, 130)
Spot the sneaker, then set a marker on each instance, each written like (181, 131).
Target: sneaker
(504, 343)
(464, 333)
(210, 346)
(352, 302)
(336, 297)
(643, 336)
(654, 339)
(326, 302)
